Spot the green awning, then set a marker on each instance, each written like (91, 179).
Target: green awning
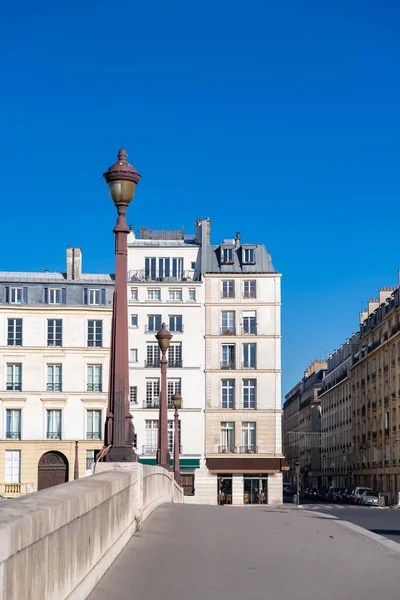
(185, 463)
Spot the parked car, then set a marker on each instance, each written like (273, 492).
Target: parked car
(335, 494)
(307, 493)
(288, 489)
(348, 495)
(358, 492)
(370, 498)
(322, 494)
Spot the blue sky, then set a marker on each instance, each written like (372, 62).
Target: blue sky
(276, 119)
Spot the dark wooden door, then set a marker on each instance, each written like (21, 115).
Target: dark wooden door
(52, 470)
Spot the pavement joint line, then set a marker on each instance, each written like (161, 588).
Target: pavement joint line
(380, 539)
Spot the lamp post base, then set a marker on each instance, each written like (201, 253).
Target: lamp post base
(121, 454)
(163, 459)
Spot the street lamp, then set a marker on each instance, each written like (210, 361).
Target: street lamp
(297, 466)
(121, 178)
(163, 338)
(177, 401)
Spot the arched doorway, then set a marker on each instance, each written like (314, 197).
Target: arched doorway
(52, 470)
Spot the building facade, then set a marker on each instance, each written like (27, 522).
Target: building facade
(54, 353)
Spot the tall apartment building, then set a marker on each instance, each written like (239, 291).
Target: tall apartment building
(335, 396)
(302, 410)
(54, 353)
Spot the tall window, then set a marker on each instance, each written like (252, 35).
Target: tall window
(95, 333)
(228, 322)
(54, 296)
(13, 466)
(94, 296)
(153, 323)
(173, 387)
(134, 355)
(249, 289)
(54, 332)
(175, 354)
(228, 289)
(171, 435)
(228, 356)
(248, 437)
(133, 394)
(248, 255)
(14, 377)
(175, 323)
(249, 322)
(192, 295)
(227, 255)
(15, 295)
(151, 436)
(93, 425)
(153, 294)
(134, 296)
(134, 321)
(175, 294)
(54, 378)
(152, 393)
(249, 393)
(249, 356)
(228, 393)
(227, 436)
(168, 268)
(14, 332)
(94, 378)
(13, 424)
(152, 355)
(54, 424)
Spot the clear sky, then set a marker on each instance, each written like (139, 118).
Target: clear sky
(276, 118)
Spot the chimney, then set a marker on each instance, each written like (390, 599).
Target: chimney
(237, 239)
(208, 230)
(74, 263)
(384, 294)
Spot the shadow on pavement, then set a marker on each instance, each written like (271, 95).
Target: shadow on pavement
(385, 531)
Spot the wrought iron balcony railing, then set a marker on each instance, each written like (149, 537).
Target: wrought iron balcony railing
(94, 387)
(249, 364)
(251, 294)
(13, 435)
(228, 364)
(249, 329)
(162, 276)
(93, 435)
(54, 387)
(53, 435)
(230, 449)
(225, 330)
(227, 294)
(248, 449)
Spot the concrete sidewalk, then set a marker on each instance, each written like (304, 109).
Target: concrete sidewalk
(188, 552)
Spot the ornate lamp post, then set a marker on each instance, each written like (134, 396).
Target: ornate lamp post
(177, 400)
(121, 178)
(163, 338)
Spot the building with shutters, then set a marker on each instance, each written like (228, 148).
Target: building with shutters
(54, 361)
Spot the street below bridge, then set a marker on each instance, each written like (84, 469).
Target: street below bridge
(230, 553)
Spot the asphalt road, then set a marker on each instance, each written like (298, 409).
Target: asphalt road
(230, 553)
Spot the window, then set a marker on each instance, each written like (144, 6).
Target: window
(227, 436)
(193, 266)
(151, 436)
(173, 387)
(15, 295)
(175, 324)
(153, 323)
(153, 294)
(54, 378)
(228, 289)
(168, 268)
(95, 333)
(134, 321)
(249, 356)
(171, 435)
(133, 394)
(13, 466)
(54, 296)
(249, 393)
(187, 484)
(249, 322)
(248, 255)
(93, 425)
(175, 294)
(228, 356)
(94, 296)
(248, 437)
(249, 289)
(192, 294)
(228, 393)
(13, 424)
(14, 377)
(175, 354)
(228, 322)
(152, 355)
(134, 355)
(94, 378)
(134, 296)
(14, 332)
(90, 458)
(152, 393)
(227, 255)
(54, 425)
(54, 332)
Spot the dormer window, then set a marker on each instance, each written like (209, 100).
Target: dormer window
(249, 256)
(227, 255)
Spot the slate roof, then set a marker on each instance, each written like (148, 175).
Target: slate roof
(262, 264)
(54, 277)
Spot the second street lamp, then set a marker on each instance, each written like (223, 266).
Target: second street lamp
(163, 459)
(177, 401)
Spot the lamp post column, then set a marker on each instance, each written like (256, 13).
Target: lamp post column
(163, 458)
(177, 400)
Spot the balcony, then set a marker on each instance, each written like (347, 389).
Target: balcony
(152, 364)
(175, 364)
(228, 331)
(162, 277)
(53, 435)
(248, 449)
(151, 450)
(93, 435)
(94, 387)
(249, 364)
(13, 435)
(251, 294)
(227, 294)
(228, 364)
(226, 449)
(12, 489)
(54, 387)
(155, 403)
(252, 330)
(151, 329)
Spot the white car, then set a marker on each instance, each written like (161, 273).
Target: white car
(359, 492)
(370, 498)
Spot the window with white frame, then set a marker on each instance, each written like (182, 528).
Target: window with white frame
(54, 378)
(171, 436)
(134, 355)
(54, 424)
(175, 354)
(249, 255)
(152, 355)
(153, 323)
(94, 378)
(54, 332)
(227, 436)
(154, 294)
(152, 393)
(14, 377)
(133, 394)
(249, 289)
(90, 458)
(227, 393)
(95, 333)
(249, 393)
(228, 288)
(16, 295)
(249, 322)
(228, 322)
(134, 321)
(93, 424)
(94, 296)
(173, 387)
(192, 294)
(13, 423)
(54, 296)
(227, 255)
(14, 332)
(228, 356)
(249, 356)
(175, 294)
(13, 466)
(134, 295)
(151, 436)
(175, 323)
(248, 437)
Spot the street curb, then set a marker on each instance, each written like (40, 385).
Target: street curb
(394, 546)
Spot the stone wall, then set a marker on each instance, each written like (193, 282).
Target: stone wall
(58, 543)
